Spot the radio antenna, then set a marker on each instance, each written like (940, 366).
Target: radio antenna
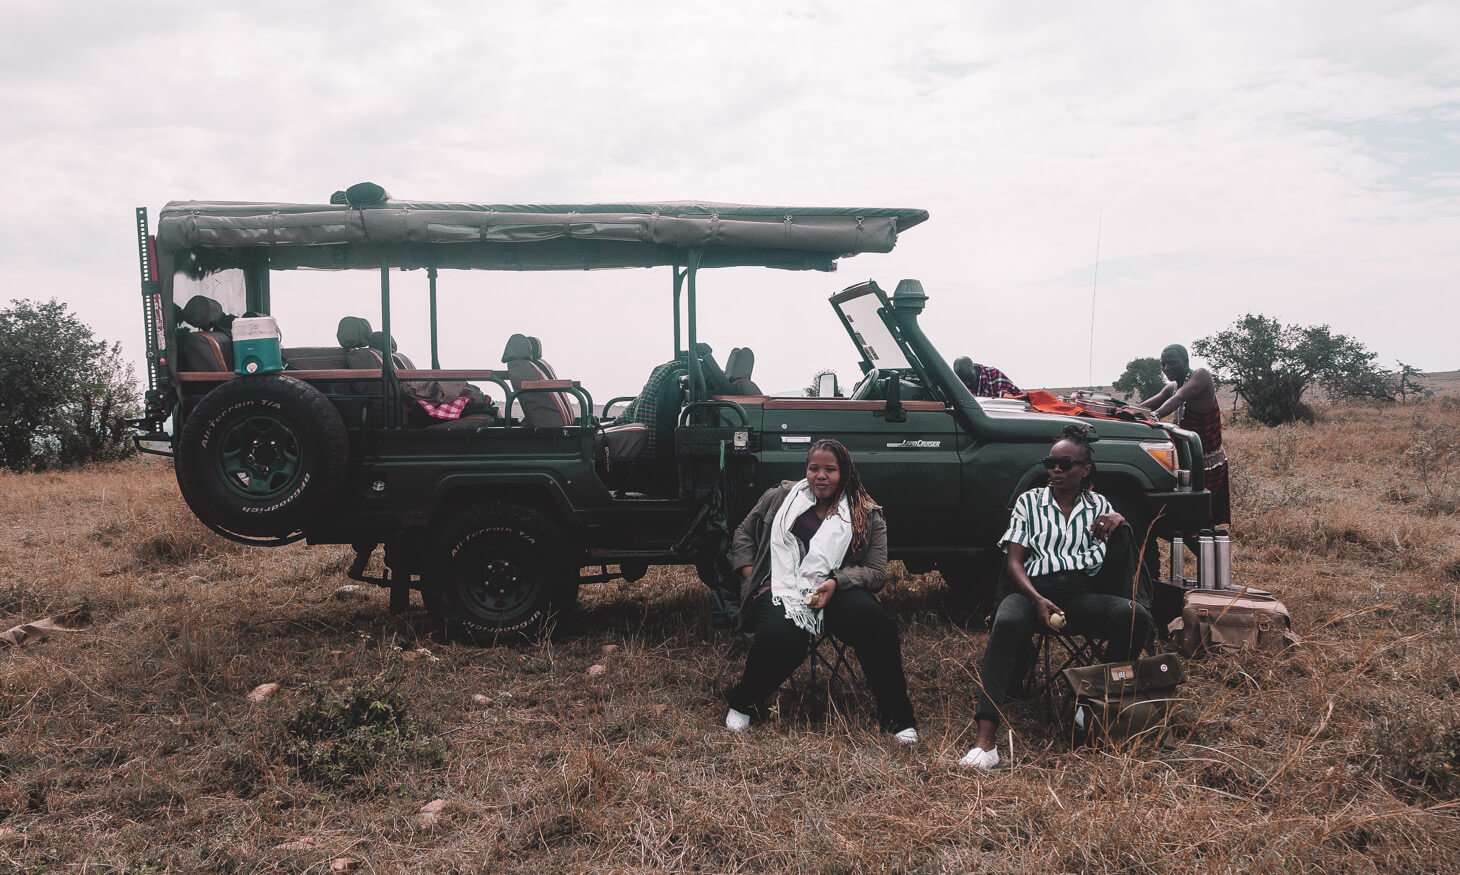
(1090, 365)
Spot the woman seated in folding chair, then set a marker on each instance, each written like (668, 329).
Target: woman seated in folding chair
(810, 553)
(1058, 576)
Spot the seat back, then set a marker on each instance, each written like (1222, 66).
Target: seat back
(523, 358)
(377, 341)
(208, 348)
(738, 368)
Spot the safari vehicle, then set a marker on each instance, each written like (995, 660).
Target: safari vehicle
(493, 512)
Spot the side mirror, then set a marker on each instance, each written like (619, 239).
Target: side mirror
(826, 386)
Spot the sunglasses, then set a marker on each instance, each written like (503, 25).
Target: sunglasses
(1064, 463)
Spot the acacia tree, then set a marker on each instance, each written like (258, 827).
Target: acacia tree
(64, 395)
(1270, 366)
(1142, 379)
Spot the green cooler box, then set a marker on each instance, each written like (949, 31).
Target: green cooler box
(256, 345)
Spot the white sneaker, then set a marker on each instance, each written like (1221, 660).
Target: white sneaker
(736, 721)
(907, 736)
(979, 758)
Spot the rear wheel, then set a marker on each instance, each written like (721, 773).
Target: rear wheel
(497, 572)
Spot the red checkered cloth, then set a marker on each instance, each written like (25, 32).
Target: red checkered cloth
(445, 411)
(991, 382)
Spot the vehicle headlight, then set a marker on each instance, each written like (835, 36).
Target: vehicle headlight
(1164, 452)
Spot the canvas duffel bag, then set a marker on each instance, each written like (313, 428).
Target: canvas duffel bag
(1228, 620)
(1116, 700)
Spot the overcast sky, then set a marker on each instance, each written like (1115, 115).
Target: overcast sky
(1299, 160)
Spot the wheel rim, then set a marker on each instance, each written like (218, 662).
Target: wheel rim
(503, 587)
(259, 457)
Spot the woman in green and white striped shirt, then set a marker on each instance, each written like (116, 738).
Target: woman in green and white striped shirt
(1057, 541)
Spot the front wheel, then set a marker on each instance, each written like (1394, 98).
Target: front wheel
(497, 572)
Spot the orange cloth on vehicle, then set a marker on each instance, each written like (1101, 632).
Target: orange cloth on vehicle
(1048, 402)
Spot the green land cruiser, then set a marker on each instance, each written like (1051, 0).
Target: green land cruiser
(494, 510)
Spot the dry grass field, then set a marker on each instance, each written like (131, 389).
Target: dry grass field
(132, 746)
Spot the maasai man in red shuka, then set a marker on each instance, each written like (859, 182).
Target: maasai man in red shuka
(1192, 396)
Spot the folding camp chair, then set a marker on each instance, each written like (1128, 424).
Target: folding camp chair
(834, 662)
(1057, 652)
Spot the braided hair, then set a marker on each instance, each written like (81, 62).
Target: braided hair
(1080, 436)
(858, 500)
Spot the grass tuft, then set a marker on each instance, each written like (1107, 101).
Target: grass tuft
(338, 738)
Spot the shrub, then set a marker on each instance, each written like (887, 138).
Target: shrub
(1271, 366)
(64, 395)
(338, 738)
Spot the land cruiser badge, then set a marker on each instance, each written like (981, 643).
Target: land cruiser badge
(924, 445)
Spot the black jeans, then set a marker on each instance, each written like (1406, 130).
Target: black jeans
(854, 616)
(1123, 624)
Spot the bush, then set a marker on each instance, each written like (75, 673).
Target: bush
(65, 397)
(1271, 366)
(336, 739)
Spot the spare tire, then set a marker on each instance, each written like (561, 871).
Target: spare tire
(258, 455)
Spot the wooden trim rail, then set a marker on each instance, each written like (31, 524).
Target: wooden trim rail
(351, 374)
(767, 402)
(549, 384)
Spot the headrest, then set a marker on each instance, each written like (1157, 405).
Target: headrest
(377, 341)
(354, 332)
(520, 346)
(202, 312)
(740, 364)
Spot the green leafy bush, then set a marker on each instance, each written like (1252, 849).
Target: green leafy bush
(338, 738)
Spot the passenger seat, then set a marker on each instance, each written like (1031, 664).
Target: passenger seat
(523, 358)
(209, 348)
(616, 448)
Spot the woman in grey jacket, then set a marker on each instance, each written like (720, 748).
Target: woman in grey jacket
(814, 553)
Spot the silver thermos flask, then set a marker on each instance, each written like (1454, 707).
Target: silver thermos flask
(1178, 560)
(1206, 558)
(1223, 545)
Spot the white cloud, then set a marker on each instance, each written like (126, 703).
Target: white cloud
(1222, 150)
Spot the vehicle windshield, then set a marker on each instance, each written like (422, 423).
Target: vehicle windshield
(869, 332)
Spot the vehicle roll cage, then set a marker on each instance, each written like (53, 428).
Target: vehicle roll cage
(260, 238)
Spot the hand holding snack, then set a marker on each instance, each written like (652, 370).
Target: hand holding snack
(817, 598)
(1057, 621)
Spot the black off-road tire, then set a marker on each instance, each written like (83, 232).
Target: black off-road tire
(258, 455)
(497, 572)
